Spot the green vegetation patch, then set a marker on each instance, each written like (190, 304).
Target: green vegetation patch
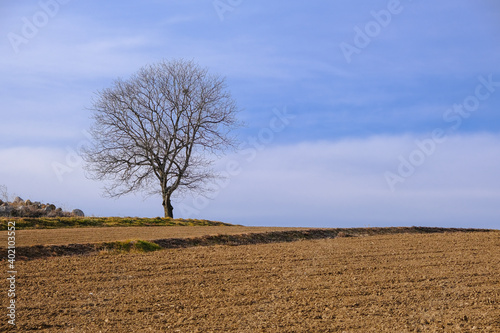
(131, 246)
(77, 222)
(138, 246)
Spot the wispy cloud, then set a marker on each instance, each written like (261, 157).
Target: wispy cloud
(179, 19)
(342, 184)
(352, 120)
(328, 183)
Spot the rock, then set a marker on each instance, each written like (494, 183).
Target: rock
(5, 210)
(21, 208)
(21, 211)
(78, 212)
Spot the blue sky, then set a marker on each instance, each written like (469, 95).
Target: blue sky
(390, 109)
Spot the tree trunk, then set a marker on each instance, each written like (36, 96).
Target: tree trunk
(167, 207)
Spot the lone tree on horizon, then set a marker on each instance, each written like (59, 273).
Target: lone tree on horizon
(157, 131)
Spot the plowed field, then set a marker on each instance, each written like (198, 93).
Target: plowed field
(388, 283)
(65, 236)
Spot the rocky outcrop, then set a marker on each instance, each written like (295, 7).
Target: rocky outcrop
(78, 212)
(26, 208)
(5, 210)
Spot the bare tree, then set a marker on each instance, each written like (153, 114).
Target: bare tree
(158, 131)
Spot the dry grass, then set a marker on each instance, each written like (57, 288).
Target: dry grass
(64, 236)
(23, 223)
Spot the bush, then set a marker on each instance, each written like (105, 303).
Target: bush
(133, 246)
(145, 246)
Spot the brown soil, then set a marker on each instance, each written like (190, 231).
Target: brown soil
(386, 283)
(108, 234)
(75, 241)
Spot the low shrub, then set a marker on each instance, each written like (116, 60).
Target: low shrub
(132, 246)
(145, 246)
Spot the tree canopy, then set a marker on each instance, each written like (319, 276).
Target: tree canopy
(158, 131)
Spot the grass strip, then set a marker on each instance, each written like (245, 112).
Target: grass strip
(23, 223)
(43, 251)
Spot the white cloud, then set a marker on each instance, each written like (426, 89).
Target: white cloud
(98, 58)
(56, 176)
(179, 19)
(327, 184)
(342, 184)
(409, 73)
